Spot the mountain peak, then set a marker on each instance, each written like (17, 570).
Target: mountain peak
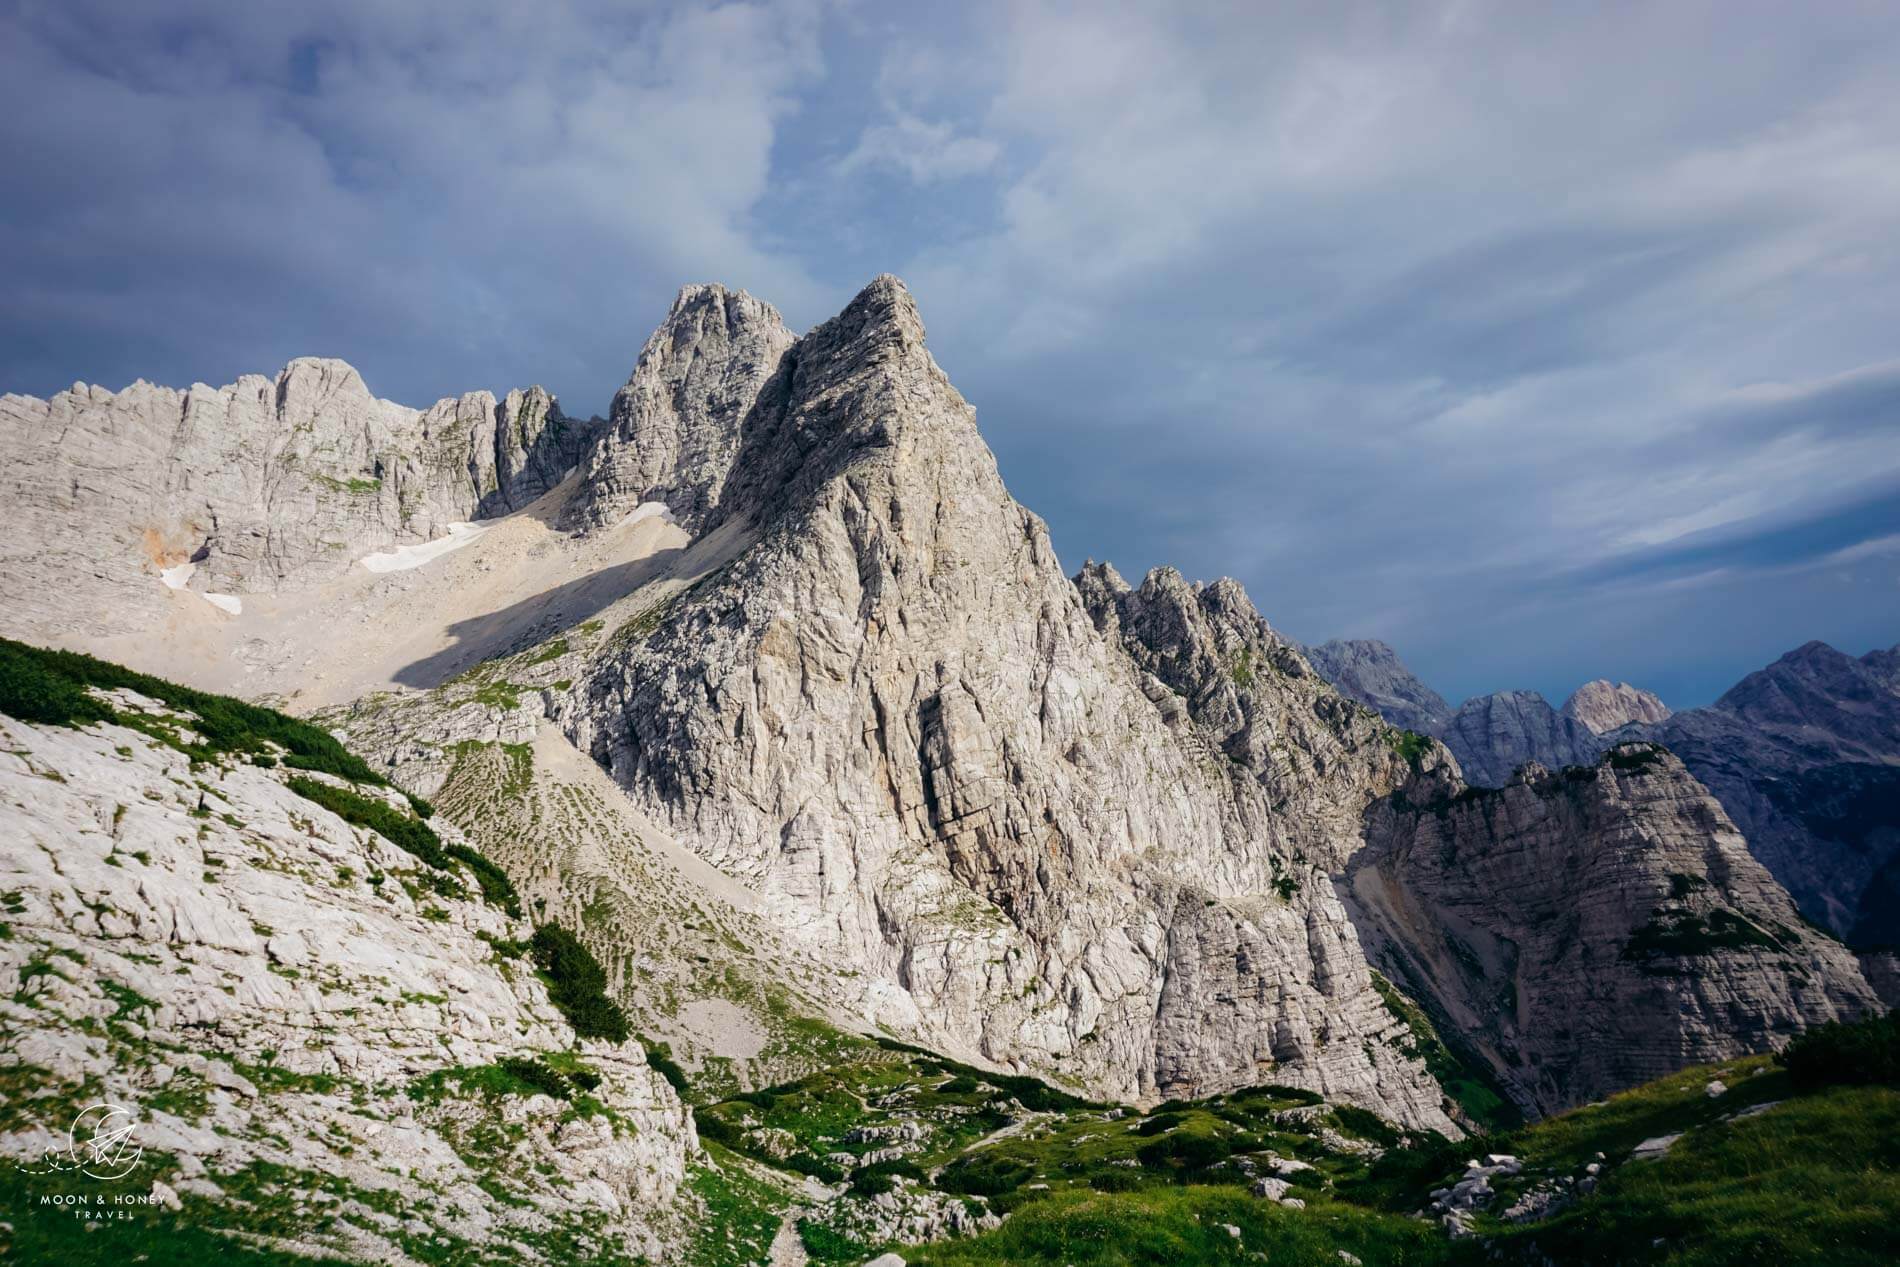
(1371, 672)
(1603, 705)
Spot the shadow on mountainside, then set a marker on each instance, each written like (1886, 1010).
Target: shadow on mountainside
(533, 620)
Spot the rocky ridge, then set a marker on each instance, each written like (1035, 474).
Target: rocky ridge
(1805, 757)
(886, 710)
(1493, 735)
(322, 1042)
(256, 486)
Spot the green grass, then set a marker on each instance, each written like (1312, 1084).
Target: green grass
(1815, 1180)
(152, 1237)
(740, 1215)
(558, 1075)
(1173, 1227)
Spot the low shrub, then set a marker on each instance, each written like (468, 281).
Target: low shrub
(869, 1181)
(577, 984)
(984, 1176)
(1160, 1123)
(1846, 1053)
(537, 1076)
(412, 836)
(1182, 1152)
(660, 1058)
(815, 1166)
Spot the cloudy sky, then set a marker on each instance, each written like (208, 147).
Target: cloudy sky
(1543, 341)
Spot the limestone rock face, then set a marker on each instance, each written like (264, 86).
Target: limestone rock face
(259, 485)
(1805, 757)
(893, 716)
(1592, 929)
(1603, 706)
(265, 985)
(678, 422)
(1492, 735)
(1371, 672)
(1882, 969)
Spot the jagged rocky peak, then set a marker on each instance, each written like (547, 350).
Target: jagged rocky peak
(1372, 673)
(675, 427)
(1604, 706)
(1492, 735)
(1593, 928)
(892, 714)
(260, 485)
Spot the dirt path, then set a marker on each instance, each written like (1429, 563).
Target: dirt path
(788, 1250)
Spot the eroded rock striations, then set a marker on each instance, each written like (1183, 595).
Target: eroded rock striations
(894, 716)
(1604, 706)
(1591, 929)
(1493, 735)
(254, 486)
(1805, 757)
(1371, 672)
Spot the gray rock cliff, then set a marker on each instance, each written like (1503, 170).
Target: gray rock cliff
(1371, 672)
(1604, 706)
(255, 486)
(1492, 735)
(892, 715)
(676, 426)
(1805, 758)
(1591, 929)
(271, 991)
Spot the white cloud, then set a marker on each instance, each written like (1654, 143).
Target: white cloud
(926, 152)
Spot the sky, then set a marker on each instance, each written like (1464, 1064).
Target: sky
(1545, 342)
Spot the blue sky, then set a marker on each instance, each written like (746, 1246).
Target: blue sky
(1545, 342)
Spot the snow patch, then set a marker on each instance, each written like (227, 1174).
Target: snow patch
(647, 510)
(402, 558)
(226, 602)
(179, 577)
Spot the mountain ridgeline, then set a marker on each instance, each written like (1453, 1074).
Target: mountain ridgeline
(767, 689)
(1804, 756)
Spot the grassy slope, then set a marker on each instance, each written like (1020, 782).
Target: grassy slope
(1813, 1179)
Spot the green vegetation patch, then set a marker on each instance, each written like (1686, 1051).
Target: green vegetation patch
(515, 1075)
(52, 688)
(1846, 1053)
(1682, 934)
(1169, 1227)
(577, 984)
(411, 835)
(1410, 745)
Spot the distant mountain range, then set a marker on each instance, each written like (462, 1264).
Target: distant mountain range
(1803, 754)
